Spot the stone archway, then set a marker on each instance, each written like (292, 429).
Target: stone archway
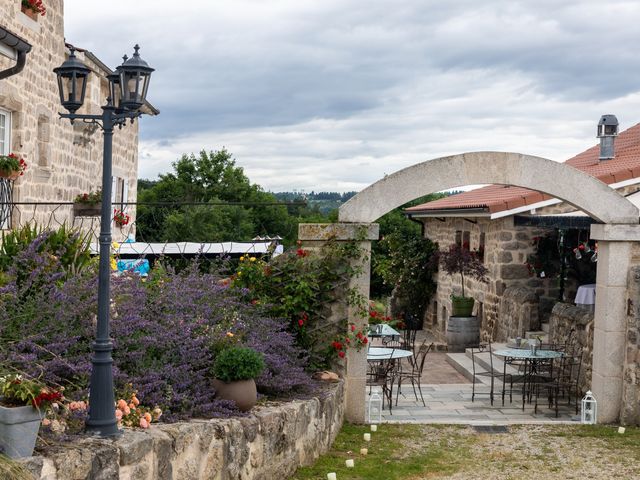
(619, 230)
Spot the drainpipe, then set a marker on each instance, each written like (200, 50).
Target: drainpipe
(422, 225)
(19, 49)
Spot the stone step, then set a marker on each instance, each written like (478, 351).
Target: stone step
(484, 360)
(463, 365)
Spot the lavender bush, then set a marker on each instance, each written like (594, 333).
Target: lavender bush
(166, 333)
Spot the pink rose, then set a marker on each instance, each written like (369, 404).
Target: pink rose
(144, 423)
(122, 404)
(127, 410)
(118, 414)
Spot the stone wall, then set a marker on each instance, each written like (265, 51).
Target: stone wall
(576, 322)
(630, 413)
(506, 248)
(518, 313)
(268, 444)
(64, 160)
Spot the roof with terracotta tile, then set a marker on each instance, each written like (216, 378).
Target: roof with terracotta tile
(498, 198)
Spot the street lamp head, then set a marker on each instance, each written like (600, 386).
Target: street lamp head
(134, 81)
(72, 82)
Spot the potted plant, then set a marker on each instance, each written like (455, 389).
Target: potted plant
(462, 261)
(22, 402)
(120, 218)
(33, 8)
(234, 371)
(88, 204)
(12, 166)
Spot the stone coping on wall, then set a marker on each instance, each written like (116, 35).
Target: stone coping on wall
(270, 443)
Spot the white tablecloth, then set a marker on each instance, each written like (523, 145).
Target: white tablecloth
(586, 294)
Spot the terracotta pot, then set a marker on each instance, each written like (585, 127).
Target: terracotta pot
(12, 175)
(242, 392)
(87, 209)
(18, 430)
(29, 13)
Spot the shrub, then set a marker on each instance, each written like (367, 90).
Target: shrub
(238, 363)
(166, 333)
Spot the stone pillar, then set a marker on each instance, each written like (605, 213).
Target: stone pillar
(609, 339)
(315, 235)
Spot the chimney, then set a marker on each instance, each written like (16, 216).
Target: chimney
(607, 133)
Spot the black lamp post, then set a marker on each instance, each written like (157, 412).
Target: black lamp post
(128, 89)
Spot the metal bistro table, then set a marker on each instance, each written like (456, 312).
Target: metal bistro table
(531, 366)
(383, 330)
(390, 355)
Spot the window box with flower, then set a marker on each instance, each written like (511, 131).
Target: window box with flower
(88, 204)
(22, 406)
(12, 166)
(33, 8)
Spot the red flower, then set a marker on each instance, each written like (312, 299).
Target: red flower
(300, 322)
(302, 253)
(581, 246)
(353, 328)
(341, 354)
(365, 340)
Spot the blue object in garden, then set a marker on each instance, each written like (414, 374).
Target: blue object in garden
(140, 266)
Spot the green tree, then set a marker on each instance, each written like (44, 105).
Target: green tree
(213, 178)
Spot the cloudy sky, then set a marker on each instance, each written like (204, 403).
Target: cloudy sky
(333, 94)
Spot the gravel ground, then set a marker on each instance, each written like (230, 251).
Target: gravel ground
(535, 452)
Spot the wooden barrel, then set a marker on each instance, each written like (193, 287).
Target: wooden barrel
(462, 332)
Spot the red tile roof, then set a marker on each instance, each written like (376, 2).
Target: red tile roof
(497, 198)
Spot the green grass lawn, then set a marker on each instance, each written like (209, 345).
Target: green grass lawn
(430, 451)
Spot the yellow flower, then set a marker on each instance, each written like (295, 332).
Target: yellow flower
(229, 334)
(242, 259)
(253, 259)
(115, 245)
(239, 273)
(114, 264)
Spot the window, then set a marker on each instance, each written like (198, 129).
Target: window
(466, 240)
(6, 190)
(5, 132)
(459, 238)
(119, 193)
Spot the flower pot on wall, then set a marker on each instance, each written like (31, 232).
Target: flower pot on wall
(87, 209)
(461, 306)
(18, 430)
(12, 175)
(242, 392)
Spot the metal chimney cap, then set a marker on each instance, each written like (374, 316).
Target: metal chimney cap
(608, 120)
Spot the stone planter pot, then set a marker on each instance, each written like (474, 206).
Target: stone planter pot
(461, 306)
(18, 430)
(242, 392)
(29, 13)
(87, 209)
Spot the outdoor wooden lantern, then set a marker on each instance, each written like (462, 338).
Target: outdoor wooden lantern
(589, 409)
(375, 408)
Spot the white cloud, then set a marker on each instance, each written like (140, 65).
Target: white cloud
(332, 95)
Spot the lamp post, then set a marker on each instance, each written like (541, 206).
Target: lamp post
(128, 89)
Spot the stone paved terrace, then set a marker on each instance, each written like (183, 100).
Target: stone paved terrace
(447, 395)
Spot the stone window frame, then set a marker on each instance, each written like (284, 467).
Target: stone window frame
(43, 139)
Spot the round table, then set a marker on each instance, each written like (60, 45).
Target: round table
(382, 353)
(525, 353)
(586, 296)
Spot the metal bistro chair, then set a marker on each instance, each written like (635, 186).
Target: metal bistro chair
(415, 375)
(492, 374)
(567, 379)
(381, 373)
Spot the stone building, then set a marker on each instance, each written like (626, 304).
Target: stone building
(504, 224)
(63, 160)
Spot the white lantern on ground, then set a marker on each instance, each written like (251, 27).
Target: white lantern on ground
(589, 409)
(375, 408)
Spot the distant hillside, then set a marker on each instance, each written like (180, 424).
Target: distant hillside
(323, 201)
